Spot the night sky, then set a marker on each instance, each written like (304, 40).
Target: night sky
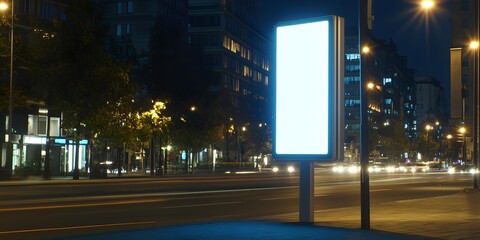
(424, 38)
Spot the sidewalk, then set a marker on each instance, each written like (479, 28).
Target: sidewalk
(449, 217)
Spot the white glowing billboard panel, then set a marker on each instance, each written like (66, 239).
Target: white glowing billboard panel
(306, 89)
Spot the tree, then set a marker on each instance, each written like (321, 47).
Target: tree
(394, 141)
(174, 71)
(74, 72)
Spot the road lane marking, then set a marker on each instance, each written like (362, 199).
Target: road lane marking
(141, 201)
(76, 227)
(81, 205)
(380, 190)
(296, 197)
(277, 198)
(201, 205)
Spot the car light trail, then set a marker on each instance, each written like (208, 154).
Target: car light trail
(76, 227)
(80, 205)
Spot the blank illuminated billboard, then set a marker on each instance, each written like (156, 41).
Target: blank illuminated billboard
(305, 89)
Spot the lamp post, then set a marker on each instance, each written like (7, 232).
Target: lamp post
(462, 130)
(427, 129)
(9, 162)
(474, 47)
(449, 138)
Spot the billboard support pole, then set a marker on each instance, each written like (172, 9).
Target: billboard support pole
(306, 211)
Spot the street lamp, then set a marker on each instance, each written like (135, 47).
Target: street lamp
(365, 49)
(370, 85)
(462, 130)
(9, 162)
(427, 4)
(449, 138)
(428, 128)
(474, 47)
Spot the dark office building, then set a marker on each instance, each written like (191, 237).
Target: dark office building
(132, 21)
(227, 32)
(462, 70)
(390, 91)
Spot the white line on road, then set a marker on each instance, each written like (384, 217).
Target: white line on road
(277, 198)
(380, 190)
(80, 205)
(201, 205)
(75, 227)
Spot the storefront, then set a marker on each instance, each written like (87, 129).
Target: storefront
(29, 155)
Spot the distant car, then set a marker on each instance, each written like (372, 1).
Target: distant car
(463, 169)
(416, 167)
(340, 168)
(284, 168)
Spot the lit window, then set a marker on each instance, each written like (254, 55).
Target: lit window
(119, 30)
(129, 7)
(119, 7)
(128, 29)
(387, 80)
(354, 56)
(42, 125)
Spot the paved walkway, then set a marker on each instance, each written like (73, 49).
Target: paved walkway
(448, 217)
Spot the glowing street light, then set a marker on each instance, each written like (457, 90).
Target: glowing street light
(366, 50)
(474, 44)
(427, 4)
(3, 6)
(370, 85)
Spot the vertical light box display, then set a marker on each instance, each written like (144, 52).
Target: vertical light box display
(309, 89)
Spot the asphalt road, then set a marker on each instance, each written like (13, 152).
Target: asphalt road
(50, 210)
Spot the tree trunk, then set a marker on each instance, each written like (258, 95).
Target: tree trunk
(152, 162)
(186, 162)
(76, 171)
(46, 170)
(119, 161)
(165, 158)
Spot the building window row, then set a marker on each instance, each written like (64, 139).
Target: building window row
(231, 83)
(205, 21)
(236, 47)
(352, 102)
(352, 67)
(123, 29)
(37, 125)
(246, 53)
(352, 80)
(352, 56)
(235, 66)
(206, 40)
(120, 7)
